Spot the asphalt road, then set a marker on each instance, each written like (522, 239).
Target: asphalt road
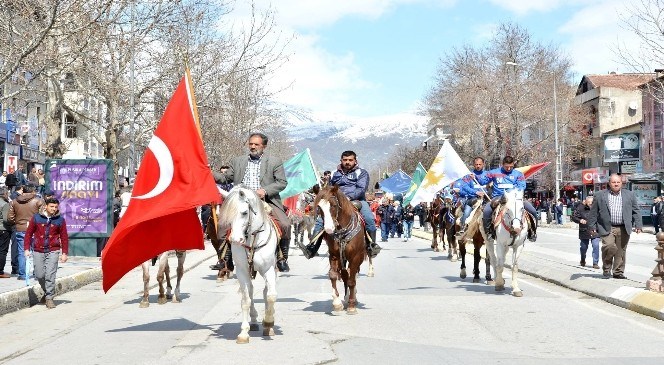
(416, 309)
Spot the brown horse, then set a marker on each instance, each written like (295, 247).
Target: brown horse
(344, 235)
(450, 226)
(473, 232)
(435, 219)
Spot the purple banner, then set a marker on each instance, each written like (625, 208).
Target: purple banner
(83, 188)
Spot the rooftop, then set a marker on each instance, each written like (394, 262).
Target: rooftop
(628, 81)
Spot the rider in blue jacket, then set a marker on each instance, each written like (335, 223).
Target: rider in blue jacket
(473, 187)
(506, 178)
(353, 181)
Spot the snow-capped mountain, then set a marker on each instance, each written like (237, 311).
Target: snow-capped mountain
(373, 139)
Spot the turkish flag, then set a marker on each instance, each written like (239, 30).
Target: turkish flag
(173, 179)
(530, 170)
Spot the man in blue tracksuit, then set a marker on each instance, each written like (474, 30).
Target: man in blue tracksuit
(353, 181)
(472, 187)
(506, 178)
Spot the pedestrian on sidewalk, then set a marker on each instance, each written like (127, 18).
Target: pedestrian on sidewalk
(397, 225)
(47, 240)
(408, 220)
(20, 212)
(580, 216)
(613, 214)
(5, 231)
(655, 212)
(559, 211)
(386, 213)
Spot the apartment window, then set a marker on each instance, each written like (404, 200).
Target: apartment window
(71, 127)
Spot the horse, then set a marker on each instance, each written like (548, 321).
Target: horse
(253, 238)
(163, 271)
(450, 225)
(302, 219)
(344, 234)
(435, 219)
(474, 222)
(510, 222)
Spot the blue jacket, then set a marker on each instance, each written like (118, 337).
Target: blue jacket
(353, 184)
(469, 187)
(502, 181)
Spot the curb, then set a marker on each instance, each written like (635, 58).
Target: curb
(640, 300)
(28, 296)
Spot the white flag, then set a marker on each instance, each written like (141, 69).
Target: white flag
(445, 169)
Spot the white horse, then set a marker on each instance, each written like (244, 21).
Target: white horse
(163, 271)
(253, 241)
(511, 227)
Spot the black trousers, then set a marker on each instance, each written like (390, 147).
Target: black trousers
(5, 239)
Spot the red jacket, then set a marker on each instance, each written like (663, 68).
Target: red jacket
(47, 234)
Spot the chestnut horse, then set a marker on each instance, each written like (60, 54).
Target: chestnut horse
(163, 272)
(435, 218)
(344, 235)
(473, 232)
(450, 226)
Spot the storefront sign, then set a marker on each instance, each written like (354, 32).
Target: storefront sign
(645, 193)
(622, 147)
(628, 167)
(594, 175)
(12, 154)
(85, 191)
(29, 155)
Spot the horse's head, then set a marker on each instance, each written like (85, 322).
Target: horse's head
(514, 210)
(243, 212)
(332, 202)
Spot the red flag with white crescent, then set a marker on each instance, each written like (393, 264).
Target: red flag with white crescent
(530, 170)
(173, 179)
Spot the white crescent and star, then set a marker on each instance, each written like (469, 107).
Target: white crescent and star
(166, 169)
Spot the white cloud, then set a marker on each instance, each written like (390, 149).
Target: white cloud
(594, 33)
(522, 7)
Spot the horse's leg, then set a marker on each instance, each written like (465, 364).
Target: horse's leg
(487, 261)
(462, 254)
(181, 255)
(451, 242)
(516, 251)
(490, 245)
(145, 302)
(499, 265)
(434, 241)
(244, 278)
(167, 276)
(351, 282)
(476, 265)
(337, 305)
(270, 297)
(371, 268)
(161, 272)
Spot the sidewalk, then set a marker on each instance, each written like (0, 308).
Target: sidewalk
(551, 266)
(73, 274)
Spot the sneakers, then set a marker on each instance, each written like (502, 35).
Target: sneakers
(5, 276)
(50, 304)
(218, 266)
(582, 263)
(373, 250)
(595, 266)
(282, 265)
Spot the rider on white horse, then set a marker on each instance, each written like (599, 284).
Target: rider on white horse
(353, 182)
(473, 186)
(506, 178)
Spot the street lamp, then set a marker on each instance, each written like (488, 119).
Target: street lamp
(559, 172)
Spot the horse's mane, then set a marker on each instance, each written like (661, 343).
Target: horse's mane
(327, 193)
(229, 209)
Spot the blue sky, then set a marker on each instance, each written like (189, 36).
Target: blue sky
(367, 58)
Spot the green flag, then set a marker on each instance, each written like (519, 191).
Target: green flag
(418, 176)
(300, 174)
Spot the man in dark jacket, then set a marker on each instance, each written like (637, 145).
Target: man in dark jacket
(655, 212)
(47, 240)
(386, 213)
(5, 232)
(580, 216)
(353, 181)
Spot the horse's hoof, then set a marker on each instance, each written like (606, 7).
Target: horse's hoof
(475, 280)
(371, 275)
(351, 311)
(500, 287)
(268, 331)
(490, 282)
(463, 274)
(161, 300)
(455, 258)
(518, 294)
(253, 327)
(338, 308)
(144, 304)
(242, 340)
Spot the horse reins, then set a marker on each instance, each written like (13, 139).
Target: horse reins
(344, 235)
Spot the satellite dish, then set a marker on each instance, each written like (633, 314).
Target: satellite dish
(633, 105)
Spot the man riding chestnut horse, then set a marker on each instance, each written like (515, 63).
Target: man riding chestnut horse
(353, 182)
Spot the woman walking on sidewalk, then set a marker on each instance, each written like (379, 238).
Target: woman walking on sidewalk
(580, 216)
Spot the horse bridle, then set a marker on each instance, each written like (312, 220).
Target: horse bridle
(510, 228)
(345, 234)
